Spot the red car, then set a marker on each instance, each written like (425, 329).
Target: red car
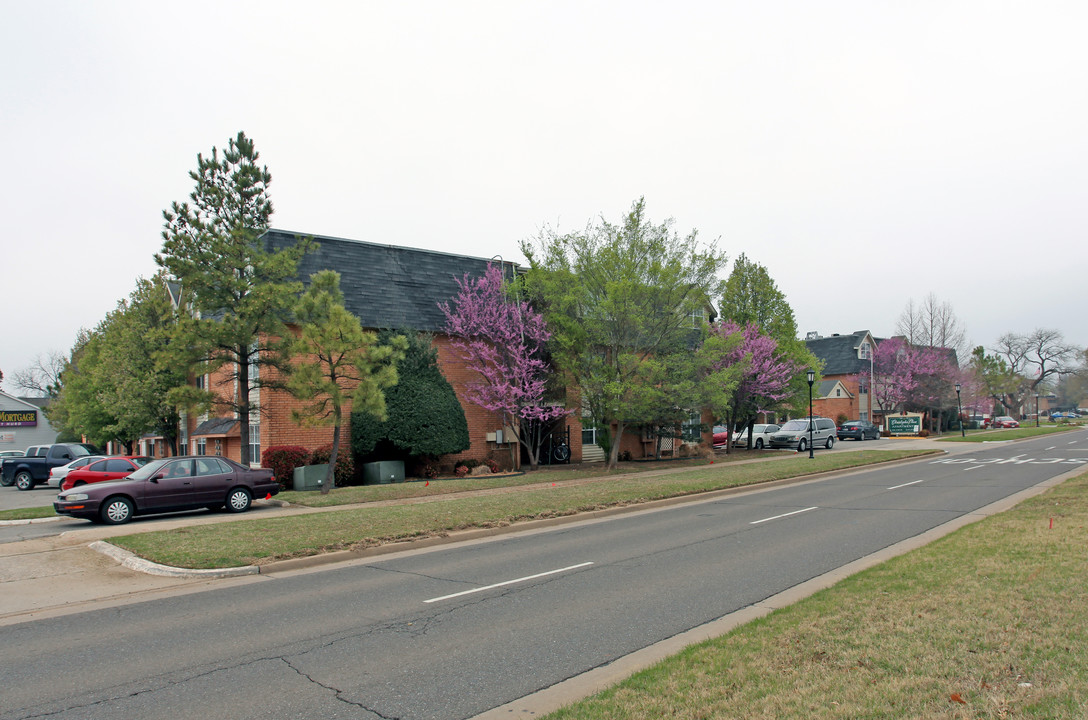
(110, 468)
(1004, 422)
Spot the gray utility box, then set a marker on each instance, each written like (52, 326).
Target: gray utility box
(384, 472)
(309, 477)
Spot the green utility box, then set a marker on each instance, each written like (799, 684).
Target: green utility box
(309, 477)
(383, 473)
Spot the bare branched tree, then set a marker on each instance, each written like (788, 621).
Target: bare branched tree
(42, 377)
(933, 323)
(1039, 358)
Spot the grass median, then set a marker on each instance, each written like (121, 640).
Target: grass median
(246, 542)
(987, 622)
(979, 436)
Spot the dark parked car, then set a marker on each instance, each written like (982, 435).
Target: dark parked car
(168, 485)
(859, 430)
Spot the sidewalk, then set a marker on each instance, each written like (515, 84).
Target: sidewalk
(62, 574)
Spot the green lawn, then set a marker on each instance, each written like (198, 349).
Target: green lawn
(1024, 431)
(246, 542)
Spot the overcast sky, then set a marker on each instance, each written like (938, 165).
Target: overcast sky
(867, 153)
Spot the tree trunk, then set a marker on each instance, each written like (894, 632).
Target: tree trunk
(330, 474)
(614, 455)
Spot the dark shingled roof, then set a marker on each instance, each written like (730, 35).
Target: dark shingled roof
(216, 426)
(387, 286)
(840, 353)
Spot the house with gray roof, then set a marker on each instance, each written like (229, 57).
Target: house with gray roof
(844, 358)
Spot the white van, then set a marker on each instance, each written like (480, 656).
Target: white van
(796, 433)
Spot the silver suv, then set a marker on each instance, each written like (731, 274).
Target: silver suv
(795, 434)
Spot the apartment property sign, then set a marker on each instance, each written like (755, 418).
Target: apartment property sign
(18, 418)
(904, 424)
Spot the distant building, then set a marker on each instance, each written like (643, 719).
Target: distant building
(845, 358)
(23, 423)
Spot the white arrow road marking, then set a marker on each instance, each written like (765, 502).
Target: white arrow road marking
(776, 517)
(509, 582)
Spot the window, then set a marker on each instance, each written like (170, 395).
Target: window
(589, 436)
(838, 392)
(200, 446)
(695, 318)
(119, 465)
(692, 430)
(210, 466)
(254, 443)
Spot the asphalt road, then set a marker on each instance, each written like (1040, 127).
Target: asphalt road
(451, 632)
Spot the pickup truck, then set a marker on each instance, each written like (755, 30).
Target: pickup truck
(30, 470)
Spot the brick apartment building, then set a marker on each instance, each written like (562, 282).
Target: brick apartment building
(386, 287)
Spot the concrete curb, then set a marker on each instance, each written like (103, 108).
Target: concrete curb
(29, 521)
(134, 562)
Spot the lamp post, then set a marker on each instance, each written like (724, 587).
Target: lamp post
(1036, 409)
(811, 379)
(959, 410)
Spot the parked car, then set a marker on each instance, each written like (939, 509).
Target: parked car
(1069, 415)
(858, 430)
(57, 474)
(795, 434)
(11, 453)
(1004, 421)
(26, 472)
(761, 436)
(721, 436)
(110, 468)
(168, 485)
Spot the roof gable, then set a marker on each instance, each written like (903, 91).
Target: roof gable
(841, 354)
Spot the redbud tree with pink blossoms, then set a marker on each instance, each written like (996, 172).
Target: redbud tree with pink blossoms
(762, 376)
(502, 341)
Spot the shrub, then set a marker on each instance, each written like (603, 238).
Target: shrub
(841, 419)
(461, 471)
(424, 417)
(493, 465)
(923, 433)
(282, 461)
(344, 474)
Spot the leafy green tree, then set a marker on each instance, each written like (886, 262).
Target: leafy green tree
(619, 300)
(338, 362)
(424, 417)
(112, 389)
(750, 297)
(81, 406)
(238, 293)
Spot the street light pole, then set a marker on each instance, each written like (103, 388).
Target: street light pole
(1036, 409)
(811, 379)
(959, 410)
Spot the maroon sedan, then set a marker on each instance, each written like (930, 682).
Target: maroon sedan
(1005, 422)
(110, 468)
(168, 485)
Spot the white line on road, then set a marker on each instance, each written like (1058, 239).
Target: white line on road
(776, 517)
(912, 482)
(509, 582)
